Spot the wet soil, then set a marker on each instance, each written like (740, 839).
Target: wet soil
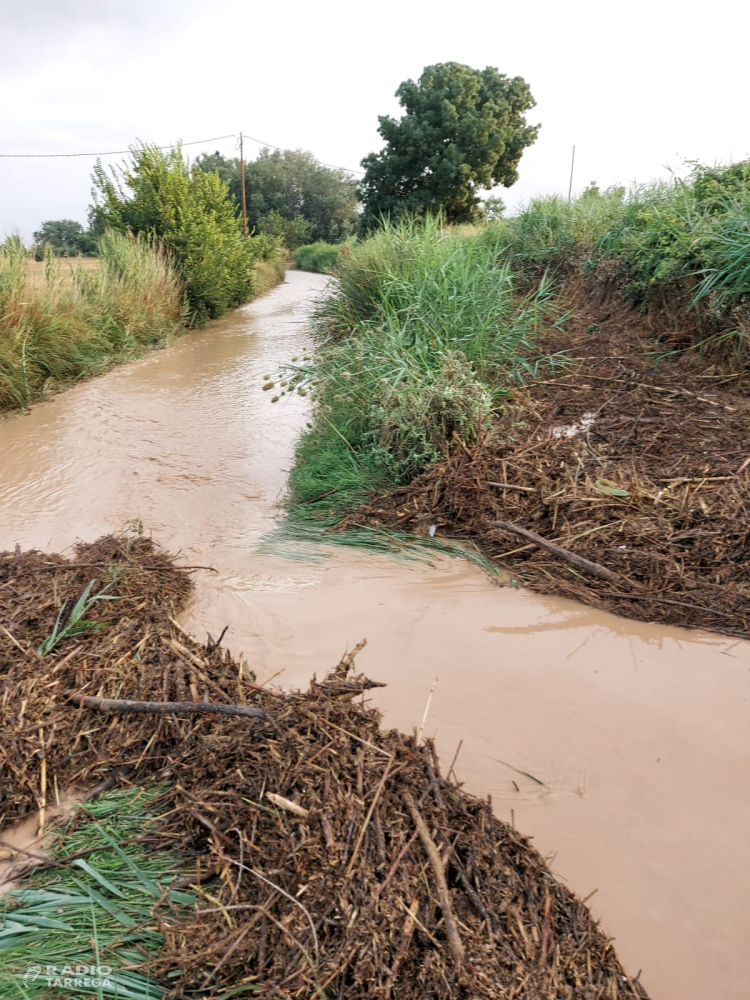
(634, 457)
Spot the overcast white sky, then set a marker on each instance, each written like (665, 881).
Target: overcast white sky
(638, 86)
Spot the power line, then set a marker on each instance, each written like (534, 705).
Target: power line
(196, 142)
(110, 152)
(333, 166)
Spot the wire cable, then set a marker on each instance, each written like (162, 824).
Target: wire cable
(109, 152)
(333, 166)
(195, 142)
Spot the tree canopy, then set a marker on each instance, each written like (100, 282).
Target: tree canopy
(65, 236)
(463, 130)
(293, 185)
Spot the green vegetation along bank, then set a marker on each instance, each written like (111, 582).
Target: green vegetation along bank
(75, 322)
(604, 338)
(171, 256)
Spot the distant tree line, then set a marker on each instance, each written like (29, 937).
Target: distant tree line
(66, 238)
(290, 194)
(463, 132)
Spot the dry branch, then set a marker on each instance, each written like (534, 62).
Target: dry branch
(436, 863)
(162, 707)
(596, 569)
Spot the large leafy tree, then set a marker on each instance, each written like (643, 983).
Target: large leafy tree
(463, 130)
(293, 185)
(65, 236)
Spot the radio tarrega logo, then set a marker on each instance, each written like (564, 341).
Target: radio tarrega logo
(69, 977)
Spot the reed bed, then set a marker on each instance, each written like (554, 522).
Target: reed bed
(422, 337)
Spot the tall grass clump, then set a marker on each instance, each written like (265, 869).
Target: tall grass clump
(552, 232)
(103, 909)
(678, 250)
(74, 322)
(421, 339)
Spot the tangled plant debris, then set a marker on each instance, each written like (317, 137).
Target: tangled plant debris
(635, 458)
(330, 857)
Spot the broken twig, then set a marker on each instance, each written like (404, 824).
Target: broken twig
(595, 569)
(436, 862)
(162, 707)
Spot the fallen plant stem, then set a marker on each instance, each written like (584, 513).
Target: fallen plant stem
(162, 707)
(436, 862)
(596, 569)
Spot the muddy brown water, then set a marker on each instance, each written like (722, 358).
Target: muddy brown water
(638, 732)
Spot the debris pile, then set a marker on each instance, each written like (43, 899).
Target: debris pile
(636, 461)
(331, 858)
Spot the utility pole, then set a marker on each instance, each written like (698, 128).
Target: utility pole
(242, 187)
(572, 162)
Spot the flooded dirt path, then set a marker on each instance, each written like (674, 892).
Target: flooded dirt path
(639, 733)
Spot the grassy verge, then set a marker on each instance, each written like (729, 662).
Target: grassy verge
(428, 328)
(99, 907)
(61, 322)
(678, 251)
(78, 322)
(421, 342)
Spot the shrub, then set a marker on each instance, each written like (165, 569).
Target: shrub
(319, 257)
(190, 213)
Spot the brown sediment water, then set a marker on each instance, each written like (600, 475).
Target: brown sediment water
(26, 844)
(637, 734)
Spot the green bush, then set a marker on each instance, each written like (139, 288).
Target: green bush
(682, 245)
(292, 233)
(321, 258)
(191, 214)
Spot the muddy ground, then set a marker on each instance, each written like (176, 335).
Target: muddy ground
(635, 456)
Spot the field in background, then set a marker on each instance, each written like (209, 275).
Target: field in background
(65, 268)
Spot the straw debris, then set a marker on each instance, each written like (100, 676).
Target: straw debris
(330, 856)
(634, 460)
